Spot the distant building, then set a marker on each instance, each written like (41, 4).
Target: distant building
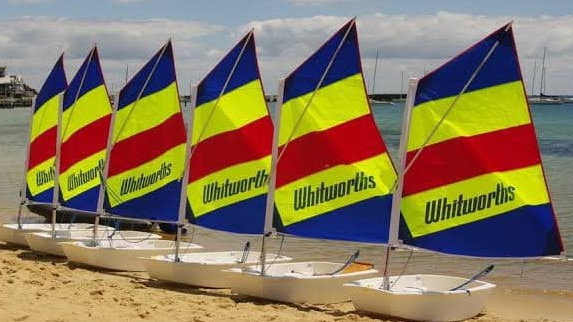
(13, 91)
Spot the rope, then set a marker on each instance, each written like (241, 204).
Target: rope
(349, 261)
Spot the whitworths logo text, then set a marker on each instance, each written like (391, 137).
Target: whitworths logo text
(443, 209)
(80, 178)
(144, 180)
(214, 191)
(310, 195)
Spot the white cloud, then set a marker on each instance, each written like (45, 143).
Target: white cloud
(408, 45)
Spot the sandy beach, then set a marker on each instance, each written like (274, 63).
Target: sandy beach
(37, 287)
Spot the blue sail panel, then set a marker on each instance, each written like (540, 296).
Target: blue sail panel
(243, 217)
(242, 59)
(344, 45)
(343, 223)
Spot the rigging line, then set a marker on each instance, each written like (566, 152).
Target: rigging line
(278, 254)
(403, 268)
(89, 60)
(143, 88)
(468, 83)
(314, 93)
(221, 93)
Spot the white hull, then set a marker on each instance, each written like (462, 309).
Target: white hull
(43, 242)
(10, 233)
(202, 269)
(306, 282)
(421, 297)
(121, 255)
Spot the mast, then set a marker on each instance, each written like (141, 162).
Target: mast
(397, 196)
(542, 85)
(270, 205)
(533, 80)
(126, 73)
(185, 178)
(375, 68)
(23, 198)
(401, 83)
(55, 198)
(103, 177)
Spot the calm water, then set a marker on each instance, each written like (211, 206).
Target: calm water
(555, 135)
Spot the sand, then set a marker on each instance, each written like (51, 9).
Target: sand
(37, 287)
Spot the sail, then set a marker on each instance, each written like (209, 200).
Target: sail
(40, 171)
(334, 174)
(147, 153)
(231, 145)
(474, 183)
(86, 116)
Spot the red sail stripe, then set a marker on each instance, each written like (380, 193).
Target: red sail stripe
(43, 147)
(147, 145)
(501, 150)
(250, 142)
(347, 143)
(85, 142)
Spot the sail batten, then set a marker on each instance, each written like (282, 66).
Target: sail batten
(475, 184)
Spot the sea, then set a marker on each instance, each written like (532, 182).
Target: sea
(533, 276)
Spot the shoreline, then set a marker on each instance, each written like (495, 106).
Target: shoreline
(38, 287)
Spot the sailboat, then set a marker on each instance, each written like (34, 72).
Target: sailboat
(471, 183)
(330, 177)
(85, 120)
(229, 165)
(370, 97)
(38, 190)
(144, 169)
(544, 99)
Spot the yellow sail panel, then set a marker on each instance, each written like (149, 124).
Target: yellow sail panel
(234, 110)
(81, 176)
(83, 112)
(41, 177)
(472, 200)
(334, 188)
(146, 178)
(229, 186)
(466, 118)
(45, 117)
(143, 115)
(332, 105)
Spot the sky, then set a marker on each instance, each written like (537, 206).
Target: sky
(412, 36)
